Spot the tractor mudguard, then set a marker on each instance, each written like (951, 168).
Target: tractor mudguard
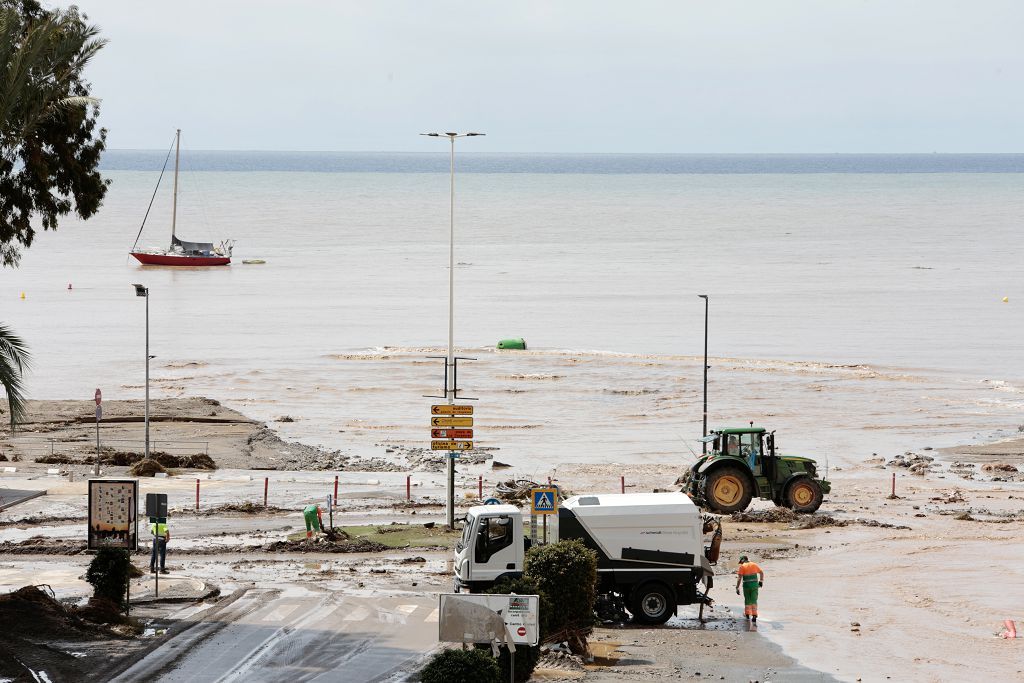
(735, 462)
(826, 486)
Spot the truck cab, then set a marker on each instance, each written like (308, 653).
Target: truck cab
(492, 547)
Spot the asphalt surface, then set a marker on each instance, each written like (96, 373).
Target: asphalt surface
(296, 634)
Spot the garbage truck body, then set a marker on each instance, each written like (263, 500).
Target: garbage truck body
(649, 546)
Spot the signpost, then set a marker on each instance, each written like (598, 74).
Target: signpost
(113, 516)
(544, 502)
(505, 618)
(156, 510)
(451, 410)
(451, 445)
(451, 433)
(450, 439)
(451, 422)
(99, 415)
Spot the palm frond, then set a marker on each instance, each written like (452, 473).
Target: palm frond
(15, 360)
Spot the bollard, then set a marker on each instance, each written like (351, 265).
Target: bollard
(480, 487)
(197, 494)
(622, 483)
(335, 490)
(266, 487)
(893, 484)
(408, 487)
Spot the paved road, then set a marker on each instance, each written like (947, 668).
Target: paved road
(297, 634)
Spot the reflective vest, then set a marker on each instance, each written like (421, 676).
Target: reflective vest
(749, 572)
(158, 529)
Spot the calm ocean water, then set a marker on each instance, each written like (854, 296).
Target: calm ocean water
(899, 263)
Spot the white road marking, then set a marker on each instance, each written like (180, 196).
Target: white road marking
(281, 613)
(358, 614)
(433, 616)
(406, 609)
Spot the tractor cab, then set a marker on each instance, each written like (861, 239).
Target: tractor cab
(742, 464)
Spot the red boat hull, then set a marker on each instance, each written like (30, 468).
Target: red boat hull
(180, 260)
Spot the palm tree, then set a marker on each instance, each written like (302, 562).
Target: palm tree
(14, 361)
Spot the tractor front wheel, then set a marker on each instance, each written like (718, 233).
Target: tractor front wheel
(727, 490)
(804, 495)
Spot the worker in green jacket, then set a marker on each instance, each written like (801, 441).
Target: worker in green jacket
(161, 534)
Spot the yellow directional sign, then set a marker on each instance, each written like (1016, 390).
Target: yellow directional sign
(451, 422)
(451, 410)
(450, 445)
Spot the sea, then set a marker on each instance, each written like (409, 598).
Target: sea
(856, 303)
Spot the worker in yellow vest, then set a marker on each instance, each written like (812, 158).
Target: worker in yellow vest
(161, 534)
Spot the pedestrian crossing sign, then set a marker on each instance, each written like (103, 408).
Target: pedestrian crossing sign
(544, 501)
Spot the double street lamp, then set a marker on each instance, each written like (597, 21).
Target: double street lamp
(144, 292)
(450, 394)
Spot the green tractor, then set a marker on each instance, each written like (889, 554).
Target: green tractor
(743, 464)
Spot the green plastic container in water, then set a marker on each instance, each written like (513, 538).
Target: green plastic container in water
(518, 343)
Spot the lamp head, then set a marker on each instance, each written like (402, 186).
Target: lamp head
(702, 296)
(140, 290)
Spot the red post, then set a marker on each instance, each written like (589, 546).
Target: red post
(197, 494)
(480, 487)
(622, 483)
(408, 487)
(266, 488)
(335, 490)
(893, 484)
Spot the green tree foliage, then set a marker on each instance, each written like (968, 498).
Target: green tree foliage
(49, 143)
(108, 573)
(568, 570)
(14, 360)
(455, 666)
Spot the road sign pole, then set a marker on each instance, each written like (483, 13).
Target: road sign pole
(99, 413)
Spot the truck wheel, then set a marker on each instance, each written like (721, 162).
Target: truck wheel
(727, 490)
(652, 603)
(804, 495)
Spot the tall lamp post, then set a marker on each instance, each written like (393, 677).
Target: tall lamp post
(704, 444)
(450, 393)
(144, 292)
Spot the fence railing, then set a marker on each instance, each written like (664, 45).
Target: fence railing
(35, 446)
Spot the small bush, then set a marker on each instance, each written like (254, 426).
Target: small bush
(108, 573)
(456, 666)
(567, 569)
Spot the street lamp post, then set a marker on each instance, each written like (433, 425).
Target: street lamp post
(450, 393)
(704, 444)
(144, 292)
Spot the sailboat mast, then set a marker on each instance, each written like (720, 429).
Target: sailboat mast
(174, 206)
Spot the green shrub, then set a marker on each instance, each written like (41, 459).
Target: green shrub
(108, 573)
(457, 665)
(567, 569)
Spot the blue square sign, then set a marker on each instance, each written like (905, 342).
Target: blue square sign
(543, 501)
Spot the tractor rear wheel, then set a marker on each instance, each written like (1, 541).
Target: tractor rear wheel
(804, 495)
(727, 490)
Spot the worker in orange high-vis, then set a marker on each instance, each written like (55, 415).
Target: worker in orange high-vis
(752, 578)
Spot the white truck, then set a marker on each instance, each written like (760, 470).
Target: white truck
(650, 550)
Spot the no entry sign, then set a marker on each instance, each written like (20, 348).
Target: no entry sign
(99, 397)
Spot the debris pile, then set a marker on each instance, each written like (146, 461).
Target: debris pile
(916, 463)
(775, 514)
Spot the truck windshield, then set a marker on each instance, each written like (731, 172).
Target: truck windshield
(467, 532)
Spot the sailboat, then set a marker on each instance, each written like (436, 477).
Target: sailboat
(181, 252)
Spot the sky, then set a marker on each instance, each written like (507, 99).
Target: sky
(727, 76)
